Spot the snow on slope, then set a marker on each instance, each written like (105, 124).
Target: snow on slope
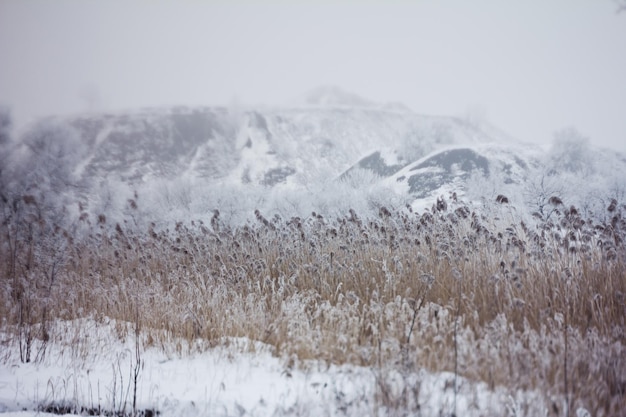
(451, 167)
(264, 147)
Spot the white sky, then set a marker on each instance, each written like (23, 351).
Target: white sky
(528, 66)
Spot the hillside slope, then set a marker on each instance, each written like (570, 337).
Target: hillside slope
(328, 142)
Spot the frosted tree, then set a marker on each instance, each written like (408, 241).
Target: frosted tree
(570, 152)
(49, 154)
(5, 125)
(5, 192)
(485, 188)
(34, 222)
(5, 145)
(40, 185)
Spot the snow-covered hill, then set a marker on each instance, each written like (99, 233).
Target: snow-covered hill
(328, 136)
(263, 147)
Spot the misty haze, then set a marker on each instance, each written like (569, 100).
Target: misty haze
(279, 209)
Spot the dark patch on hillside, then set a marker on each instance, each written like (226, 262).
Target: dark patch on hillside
(464, 159)
(143, 145)
(376, 164)
(447, 166)
(277, 175)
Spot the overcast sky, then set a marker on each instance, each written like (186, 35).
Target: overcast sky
(530, 67)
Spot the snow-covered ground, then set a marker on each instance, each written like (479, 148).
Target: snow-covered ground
(91, 365)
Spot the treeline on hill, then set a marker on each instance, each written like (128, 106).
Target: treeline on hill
(537, 306)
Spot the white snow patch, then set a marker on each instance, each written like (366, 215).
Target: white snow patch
(93, 369)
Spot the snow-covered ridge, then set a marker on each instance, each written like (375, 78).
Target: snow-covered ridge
(253, 146)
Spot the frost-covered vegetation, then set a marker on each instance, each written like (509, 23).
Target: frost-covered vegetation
(508, 298)
(517, 306)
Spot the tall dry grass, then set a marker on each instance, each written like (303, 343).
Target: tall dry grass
(537, 306)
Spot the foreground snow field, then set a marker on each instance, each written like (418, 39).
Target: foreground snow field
(92, 368)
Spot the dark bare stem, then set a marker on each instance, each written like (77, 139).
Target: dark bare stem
(565, 379)
(456, 350)
(416, 308)
(137, 360)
